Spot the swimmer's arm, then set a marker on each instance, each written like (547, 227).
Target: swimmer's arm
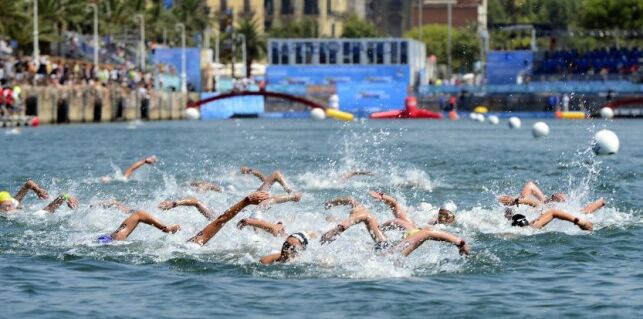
(594, 206)
(270, 259)
(71, 201)
(350, 174)
(398, 210)
(274, 229)
(515, 201)
(425, 234)
(114, 203)
(203, 186)
(248, 170)
(280, 200)
(347, 201)
(31, 185)
(150, 160)
(192, 202)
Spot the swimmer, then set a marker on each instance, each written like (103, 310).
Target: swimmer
(203, 186)
(150, 161)
(520, 220)
(131, 222)
(350, 174)
(293, 243)
(215, 226)
(267, 181)
(209, 213)
(412, 239)
(9, 203)
(532, 196)
(446, 214)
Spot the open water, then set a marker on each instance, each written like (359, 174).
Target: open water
(52, 267)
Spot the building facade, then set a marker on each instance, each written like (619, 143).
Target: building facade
(329, 15)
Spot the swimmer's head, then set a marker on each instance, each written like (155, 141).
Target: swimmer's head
(558, 197)
(295, 243)
(7, 202)
(446, 214)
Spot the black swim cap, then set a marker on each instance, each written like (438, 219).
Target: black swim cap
(519, 220)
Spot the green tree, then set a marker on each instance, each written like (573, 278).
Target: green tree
(354, 27)
(612, 14)
(464, 49)
(255, 41)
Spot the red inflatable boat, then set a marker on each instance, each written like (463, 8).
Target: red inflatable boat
(410, 112)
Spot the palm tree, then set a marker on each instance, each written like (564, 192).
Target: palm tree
(255, 42)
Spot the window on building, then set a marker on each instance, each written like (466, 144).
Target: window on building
(347, 52)
(308, 53)
(357, 53)
(333, 48)
(394, 53)
(332, 30)
(274, 51)
(284, 54)
(329, 7)
(322, 53)
(370, 52)
(286, 7)
(404, 52)
(299, 56)
(268, 7)
(379, 53)
(310, 7)
(223, 5)
(246, 6)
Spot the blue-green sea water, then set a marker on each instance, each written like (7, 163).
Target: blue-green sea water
(52, 267)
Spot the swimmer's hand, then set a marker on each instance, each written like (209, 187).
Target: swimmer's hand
(172, 229)
(242, 223)
(297, 197)
(464, 249)
(330, 235)
(245, 170)
(507, 200)
(151, 160)
(72, 202)
(376, 195)
(167, 204)
(257, 197)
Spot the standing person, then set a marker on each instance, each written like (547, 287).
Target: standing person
(452, 102)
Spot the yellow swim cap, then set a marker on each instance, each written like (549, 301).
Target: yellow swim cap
(411, 232)
(5, 196)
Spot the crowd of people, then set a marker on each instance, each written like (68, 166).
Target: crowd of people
(385, 242)
(598, 61)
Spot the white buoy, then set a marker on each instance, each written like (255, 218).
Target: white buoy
(473, 116)
(317, 114)
(540, 129)
(514, 122)
(607, 113)
(605, 143)
(333, 102)
(480, 118)
(191, 113)
(493, 119)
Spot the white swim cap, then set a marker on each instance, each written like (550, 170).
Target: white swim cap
(449, 206)
(302, 237)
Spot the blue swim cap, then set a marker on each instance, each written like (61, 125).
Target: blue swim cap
(105, 239)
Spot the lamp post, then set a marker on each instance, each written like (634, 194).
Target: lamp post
(141, 20)
(243, 54)
(94, 7)
(449, 18)
(36, 49)
(180, 27)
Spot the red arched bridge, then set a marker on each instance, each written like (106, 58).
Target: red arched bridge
(293, 98)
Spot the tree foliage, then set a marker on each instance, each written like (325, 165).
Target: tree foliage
(306, 28)
(354, 27)
(612, 14)
(465, 47)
